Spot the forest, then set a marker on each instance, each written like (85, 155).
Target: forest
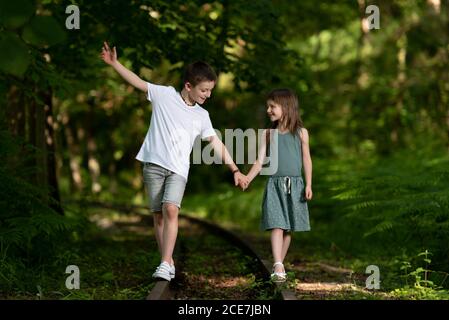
(374, 99)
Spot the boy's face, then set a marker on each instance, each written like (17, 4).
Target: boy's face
(274, 110)
(201, 91)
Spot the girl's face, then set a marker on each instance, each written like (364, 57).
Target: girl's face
(274, 111)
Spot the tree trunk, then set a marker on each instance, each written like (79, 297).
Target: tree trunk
(223, 36)
(113, 185)
(76, 182)
(399, 84)
(30, 135)
(360, 68)
(41, 158)
(16, 112)
(41, 147)
(93, 163)
(52, 179)
(362, 74)
(444, 72)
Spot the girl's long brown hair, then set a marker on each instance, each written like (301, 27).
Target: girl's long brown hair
(287, 99)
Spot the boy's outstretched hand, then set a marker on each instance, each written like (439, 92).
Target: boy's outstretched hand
(109, 56)
(241, 180)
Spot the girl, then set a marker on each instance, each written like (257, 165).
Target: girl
(284, 207)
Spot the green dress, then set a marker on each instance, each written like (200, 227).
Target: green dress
(284, 205)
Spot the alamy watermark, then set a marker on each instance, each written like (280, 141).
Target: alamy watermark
(234, 141)
(73, 20)
(373, 281)
(72, 281)
(373, 20)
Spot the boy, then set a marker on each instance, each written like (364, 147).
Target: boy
(176, 121)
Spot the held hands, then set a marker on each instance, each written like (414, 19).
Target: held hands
(241, 180)
(109, 56)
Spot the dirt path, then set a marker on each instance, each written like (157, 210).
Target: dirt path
(213, 268)
(318, 280)
(310, 279)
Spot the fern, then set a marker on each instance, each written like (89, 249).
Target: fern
(397, 203)
(381, 227)
(24, 217)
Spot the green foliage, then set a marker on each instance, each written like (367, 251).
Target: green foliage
(30, 230)
(114, 264)
(35, 30)
(423, 280)
(405, 203)
(229, 205)
(14, 57)
(363, 97)
(24, 213)
(43, 31)
(13, 14)
(421, 294)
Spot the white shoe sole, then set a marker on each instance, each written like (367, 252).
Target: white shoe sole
(160, 275)
(157, 274)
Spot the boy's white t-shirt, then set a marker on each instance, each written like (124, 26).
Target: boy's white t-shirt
(173, 129)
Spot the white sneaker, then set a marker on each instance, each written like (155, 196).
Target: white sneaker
(172, 271)
(163, 272)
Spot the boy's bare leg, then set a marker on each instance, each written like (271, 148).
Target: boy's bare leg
(170, 231)
(158, 221)
(286, 244)
(159, 229)
(276, 247)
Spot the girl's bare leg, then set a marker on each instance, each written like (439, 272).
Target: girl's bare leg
(276, 247)
(286, 244)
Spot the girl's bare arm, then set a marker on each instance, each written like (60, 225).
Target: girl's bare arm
(306, 158)
(257, 166)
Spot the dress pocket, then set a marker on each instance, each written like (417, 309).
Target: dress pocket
(302, 192)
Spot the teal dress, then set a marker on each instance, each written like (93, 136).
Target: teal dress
(284, 205)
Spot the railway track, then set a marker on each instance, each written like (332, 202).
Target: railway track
(201, 245)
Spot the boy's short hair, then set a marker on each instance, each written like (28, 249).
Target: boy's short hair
(198, 72)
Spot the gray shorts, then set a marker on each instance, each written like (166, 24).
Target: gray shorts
(162, 186)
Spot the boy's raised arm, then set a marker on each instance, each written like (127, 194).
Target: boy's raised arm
(110, 57)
